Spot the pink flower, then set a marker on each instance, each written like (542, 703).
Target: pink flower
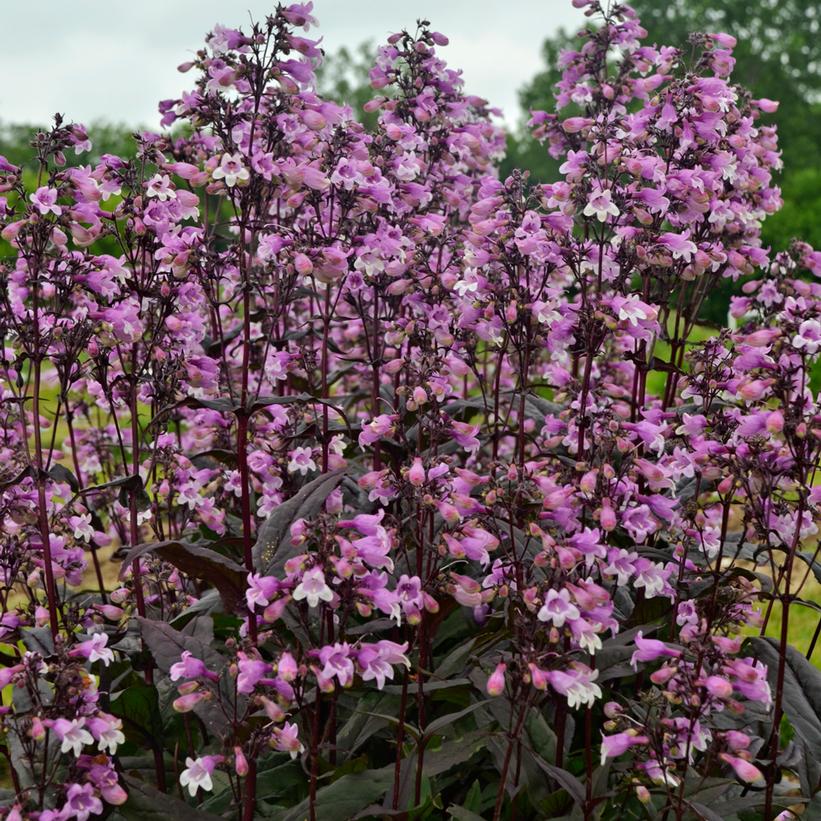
(558, 608)
(45, 200)
(313, 588)
(197, 773)
(72, 734)
(680, 244)
(81, 802)
(190, 667)
(260, 591)
(95, 649)
(746, 772)
(287, 668)
(577, 684)
(416, 474)
(600, 204)
(301, 460)
(159, 186)
(613, 746)
(808, 337)
(107, 729)
(286, 739)
(337, 661)
(651, 650)
(251, 672)
(376, 660)
(376, 429)
(231, 170)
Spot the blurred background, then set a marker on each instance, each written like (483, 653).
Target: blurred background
(108, 64)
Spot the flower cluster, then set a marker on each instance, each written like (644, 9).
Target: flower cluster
(394, 451)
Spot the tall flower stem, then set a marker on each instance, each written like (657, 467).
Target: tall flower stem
(783, 643)
(42, 507)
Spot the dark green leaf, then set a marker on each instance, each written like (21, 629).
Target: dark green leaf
(60, 473)
(462, 814)
(439, 724)
(343, 799)
(146, 803)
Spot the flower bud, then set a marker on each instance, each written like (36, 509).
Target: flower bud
(240, 762)
(416, 474)
(496, 682)
(746, 772)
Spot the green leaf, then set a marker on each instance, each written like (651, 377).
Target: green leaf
(574, 787)
(462, 814)
(276, 781)
(147, 803)
(60, 473)
(449, 755)
(167, 645)
(138, 707)
(473, 799)
(542, 737)
(344, 798)
(439, 724)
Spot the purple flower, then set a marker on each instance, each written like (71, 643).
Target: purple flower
(651, 650)
(231, 170)
(313, 588)
(337, 663)
(558, 608)
(82, 802)
(681, 245)
(45, 201)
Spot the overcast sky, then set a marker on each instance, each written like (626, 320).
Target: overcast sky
(115, 59)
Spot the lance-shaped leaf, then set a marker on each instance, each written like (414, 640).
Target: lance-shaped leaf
(199, 562)
(346, 797)
(167, 646)
(802, 693)
(147, 803)
(273, 547)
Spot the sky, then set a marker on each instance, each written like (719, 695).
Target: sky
(113, 60)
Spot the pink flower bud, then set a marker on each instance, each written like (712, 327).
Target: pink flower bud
(240, 762)
(607, 517)
(287, 668)
(538, 677)
(775, 422)
(718, 687)
(37, 731)
(496, 682)
(746, 772)
(184, 704)
(303, 264)
(416, 474)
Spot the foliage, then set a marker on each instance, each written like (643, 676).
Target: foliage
(429, 499)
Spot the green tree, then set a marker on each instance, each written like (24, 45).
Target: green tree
(106, 138)
(343, 77)
(778, 56)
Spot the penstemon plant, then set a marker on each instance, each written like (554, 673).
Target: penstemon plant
(425, 493)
